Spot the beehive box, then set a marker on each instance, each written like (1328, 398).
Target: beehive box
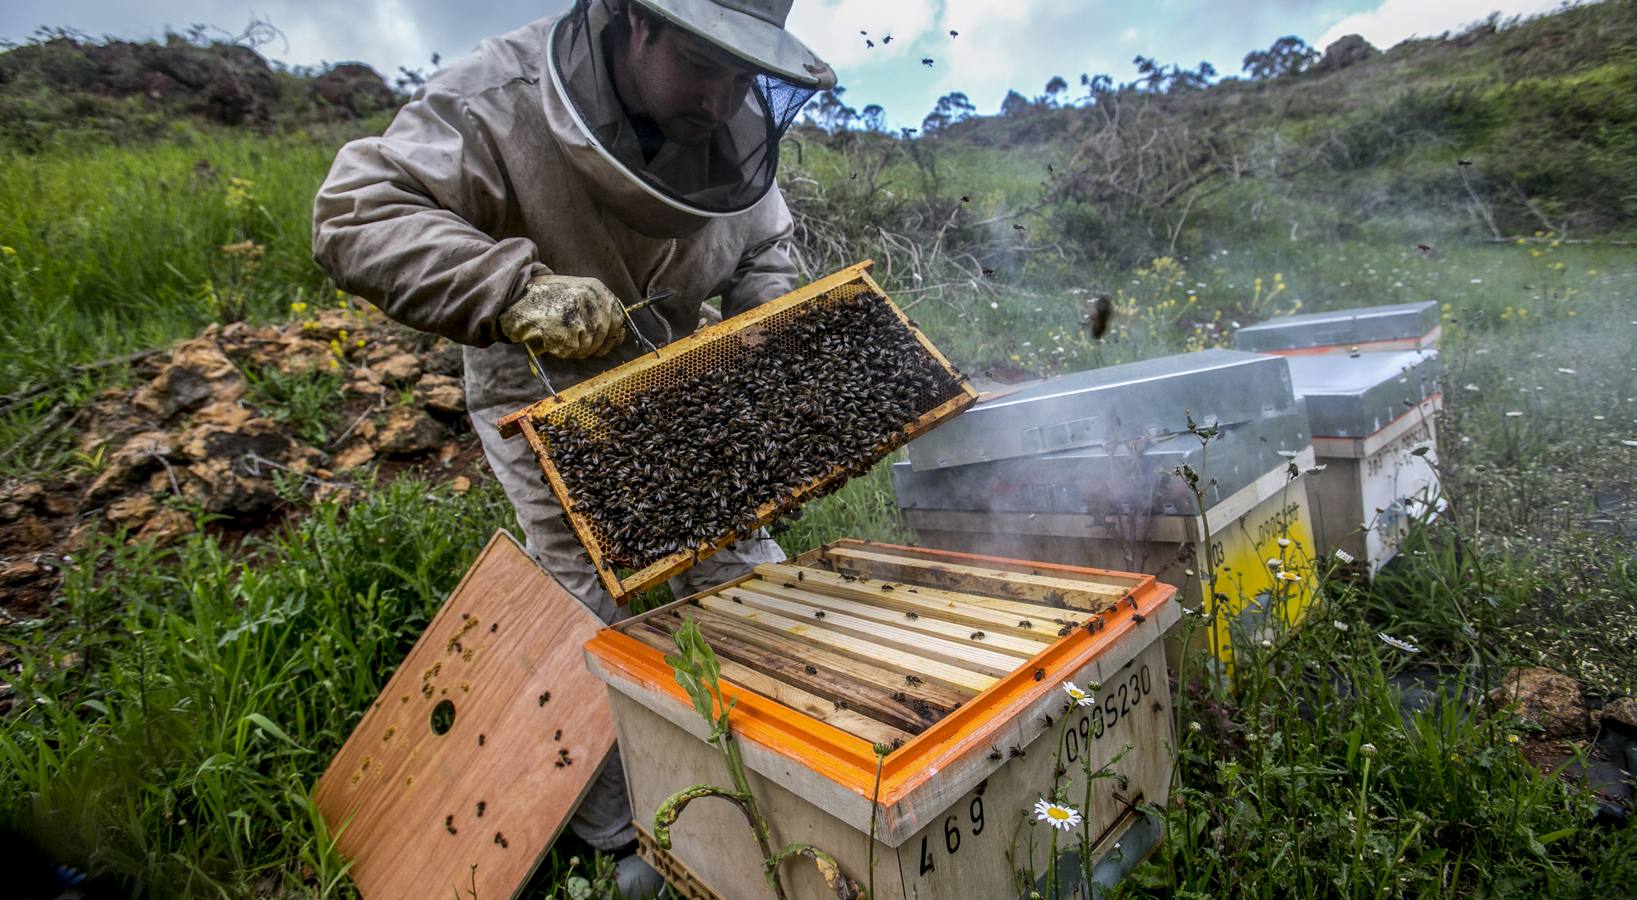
(956, 661)
(1375, 434)
(1369, 329)
(1116, 501)
(666, 459)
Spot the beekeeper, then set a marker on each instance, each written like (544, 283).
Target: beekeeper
(536, 187)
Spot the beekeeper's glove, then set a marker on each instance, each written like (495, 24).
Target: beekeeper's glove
(566, 316)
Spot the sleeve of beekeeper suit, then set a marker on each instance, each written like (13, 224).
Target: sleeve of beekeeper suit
(765, 271)
(404, 220)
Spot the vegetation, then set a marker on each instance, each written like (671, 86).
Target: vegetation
(172, 708)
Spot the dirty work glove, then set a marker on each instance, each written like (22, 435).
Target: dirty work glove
(566, 316)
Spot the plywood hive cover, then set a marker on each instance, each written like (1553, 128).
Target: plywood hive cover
(530, 729)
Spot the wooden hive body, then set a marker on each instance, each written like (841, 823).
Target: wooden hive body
(974, 750)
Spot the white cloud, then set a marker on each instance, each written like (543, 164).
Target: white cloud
(1395, 20)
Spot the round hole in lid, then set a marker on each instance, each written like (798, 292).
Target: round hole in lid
(443, 717)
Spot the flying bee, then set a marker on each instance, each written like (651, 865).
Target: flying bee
(926, 61)
(1099, 313)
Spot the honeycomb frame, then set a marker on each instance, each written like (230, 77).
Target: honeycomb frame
(709, 349)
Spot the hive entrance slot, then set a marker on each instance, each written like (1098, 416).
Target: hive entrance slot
(443, 717)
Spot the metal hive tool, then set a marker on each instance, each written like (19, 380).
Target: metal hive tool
(718, 351)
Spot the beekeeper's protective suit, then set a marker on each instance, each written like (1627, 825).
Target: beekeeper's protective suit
(522, 195)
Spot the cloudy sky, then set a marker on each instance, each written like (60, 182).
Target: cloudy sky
(1002, 43)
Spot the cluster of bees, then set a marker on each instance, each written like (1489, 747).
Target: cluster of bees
(815, 398)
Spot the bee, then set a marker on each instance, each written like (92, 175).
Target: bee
(1062, 632)
(494, 627)
(1048, 717)
(840, 704)
(480, 740)
(977, 635)
(480, 807)
(800, 575)
(1139, 618)
(912, 679)
(887, 39)
(558, 736)
(501, 840)
(897, 742)
(953, 33)
(982, 786)
(543, 699)
(1039, 674)
(1100, 313)
(1024, 623)
(926, 61)
(818, 614)
(900, 696)
(886, 587)
(994, 753)
(1018, 226)
(987, 272)
(911, 616)
(811, 670)
(1015, 751)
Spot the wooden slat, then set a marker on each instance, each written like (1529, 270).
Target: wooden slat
(869, 651)
(891, 707)
(1002, 583)
(956, 631)
(794, 697)
(966, 651)
(1044, 620)
(402, 798)
(940, 697)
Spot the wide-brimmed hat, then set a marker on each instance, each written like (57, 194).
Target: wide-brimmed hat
(751, 31)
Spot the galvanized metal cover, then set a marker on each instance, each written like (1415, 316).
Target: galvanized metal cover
(1398, 321)
(1131, 479)
(1356, 396)
(1112, 405)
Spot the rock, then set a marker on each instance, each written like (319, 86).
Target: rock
(165, 527)
(1549, 698)
(222, 485)
(444, 358)
(20, 572)
(408, 431)
(354, 89)
(399, 368)
(198, 371)
(225, 415)
(1345, 51)
(353, 455)
(140, 454)
(441, 394)
(29, 493)
(1621, 714)
(261, 437)
(131, 509)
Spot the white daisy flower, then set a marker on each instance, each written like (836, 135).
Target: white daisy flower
(1344, 556)
(1284, 542)
(1340, 625)
(1397, 644)
(1080, 698)
(1275, 563)
(1060, 817)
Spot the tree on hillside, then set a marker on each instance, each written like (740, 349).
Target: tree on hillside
(1055, 88)
(951, 108)
(874, 118)
(1014, 105)
(1289, 55)
(1096, 85)
(829, 112)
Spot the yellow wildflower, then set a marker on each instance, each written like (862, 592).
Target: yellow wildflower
(8, 251)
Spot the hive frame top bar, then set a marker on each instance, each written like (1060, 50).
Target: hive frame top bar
(1151, 398)
(1342, 327)
(527, 420)
(946, 760)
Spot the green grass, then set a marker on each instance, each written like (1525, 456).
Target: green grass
(109, 248)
